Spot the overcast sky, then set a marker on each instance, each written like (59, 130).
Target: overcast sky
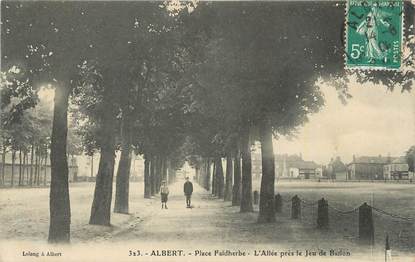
(374, 122)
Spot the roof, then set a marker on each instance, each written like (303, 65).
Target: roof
(400, 160)
(372, 160)
(304, 164)
(295, 161)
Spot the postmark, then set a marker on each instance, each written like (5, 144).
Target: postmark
(374, 30)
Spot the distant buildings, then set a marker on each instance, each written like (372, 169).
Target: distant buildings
(361, 168)
(397, 169)
(287, 166)
(367, 167)
(336, 169)
(378, 168)
(293, 166)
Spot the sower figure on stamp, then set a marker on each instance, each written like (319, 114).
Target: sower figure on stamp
(164, 192)
(370, 29)
(188, 190)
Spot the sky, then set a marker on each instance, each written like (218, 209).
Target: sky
(374, 122)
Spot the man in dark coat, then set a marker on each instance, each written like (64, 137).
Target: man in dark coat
(188, 190)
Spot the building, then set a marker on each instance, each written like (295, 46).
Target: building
(283, 164)
(397, 169)
(293, 166)
(368, 167)
(336, 169)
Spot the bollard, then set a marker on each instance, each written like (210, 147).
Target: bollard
(296, 207)
(256, 197)
(323, 214)
(366, 228)
(278, 203)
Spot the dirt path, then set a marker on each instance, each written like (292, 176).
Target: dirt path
(178, 223)
(212, 221)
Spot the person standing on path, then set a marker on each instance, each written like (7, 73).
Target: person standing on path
(188, 190)
(164, 192)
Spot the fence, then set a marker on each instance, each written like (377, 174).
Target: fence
(9, 175)
(364, 224)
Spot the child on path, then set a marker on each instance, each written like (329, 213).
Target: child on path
(164, 192)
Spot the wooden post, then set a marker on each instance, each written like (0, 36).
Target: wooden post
(256, 197)
(278, 203)
(366, 228)
(296, 207)
(323, 214)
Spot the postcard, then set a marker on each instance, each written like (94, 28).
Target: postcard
(207, 131)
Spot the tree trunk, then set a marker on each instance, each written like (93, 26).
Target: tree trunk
(3, 164)
(153, 175)
(25, 169)
(36, 166)
(219, 177)
(159, 169)
(123, 173)
(236, 191)
(266, 200)
(214, 187)
(20, 167)
(45, 171)
(13, 161)
(32, 154)
(40, 168)
(207, 179)
(38, 159)
(92, 165)
(60, 210)
(101, 205)
(228, 180)
(147, 178)
(246, 197)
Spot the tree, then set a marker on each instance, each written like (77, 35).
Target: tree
(264, 90)
(410, 158)
(39, 46)
(228, 180)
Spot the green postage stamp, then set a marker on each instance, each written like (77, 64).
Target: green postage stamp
(374, 31)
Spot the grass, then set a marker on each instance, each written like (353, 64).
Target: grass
(397, 199)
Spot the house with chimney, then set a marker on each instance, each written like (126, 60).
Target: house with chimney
(368, 167)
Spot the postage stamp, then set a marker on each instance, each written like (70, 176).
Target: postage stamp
(374, 34)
